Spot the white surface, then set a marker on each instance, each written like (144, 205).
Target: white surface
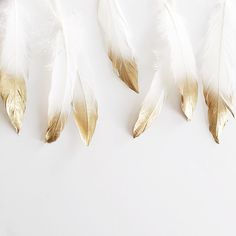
(172, 181)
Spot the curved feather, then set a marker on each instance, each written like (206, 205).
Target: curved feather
(117, 39)
(152, 105)
(14, 62)
(217, 66)
(182, 58)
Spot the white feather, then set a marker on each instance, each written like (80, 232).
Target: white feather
(14, 43)
(182, 58)
(62, 79)
(153, 103)
(116, 35)
(159, 89)
(115, 28)
(70, 75)
(84, 101)
(218, 66)
(219, 51)
(14, 59)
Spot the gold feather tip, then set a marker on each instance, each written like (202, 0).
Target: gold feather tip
(145, 119)
(13, 93)
(218, 111)
(126, 69)
(56, 125)
(86, 120)
(189, 96)
(139, 128)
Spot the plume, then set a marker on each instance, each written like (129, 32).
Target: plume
(182, 59)
(218, 56)
(152, 104)
(174, 54)
(14, 61)
(85, 108)
(116, 35)
(69, 84)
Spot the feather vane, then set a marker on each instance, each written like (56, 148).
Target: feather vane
(116, 35)
(14, 62)
(217, 66)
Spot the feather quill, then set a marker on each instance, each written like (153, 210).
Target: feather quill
(182, 59)
(116, 35)
(14, 61)
(69, 85)
(217, 66)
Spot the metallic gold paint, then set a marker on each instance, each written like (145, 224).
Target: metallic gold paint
(13, 93)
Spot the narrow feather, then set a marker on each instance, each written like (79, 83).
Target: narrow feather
(63, 75)
(217, 66)
(182, 58)
(117, 39)
(14, 61)
(152, 105)
(61, 88)
(85, 110)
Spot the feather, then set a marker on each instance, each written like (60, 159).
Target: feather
(217, 66)
(69, 80)
(61, 90)
(172, 47)
(85, 108)
(152, 105)
(14, 62)
(182, 60)
(116, 34)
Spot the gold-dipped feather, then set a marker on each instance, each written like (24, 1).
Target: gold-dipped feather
(151, 107)
(218, 112)
(126, 69)
(13, 93)
(189, 97)
(55, 126)
(144, 121)
(85, 119)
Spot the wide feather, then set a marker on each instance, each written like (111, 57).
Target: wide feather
(182, 58)
(116, 34)
(217, 66)
(14, 61)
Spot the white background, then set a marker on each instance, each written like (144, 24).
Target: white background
(172, 181)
